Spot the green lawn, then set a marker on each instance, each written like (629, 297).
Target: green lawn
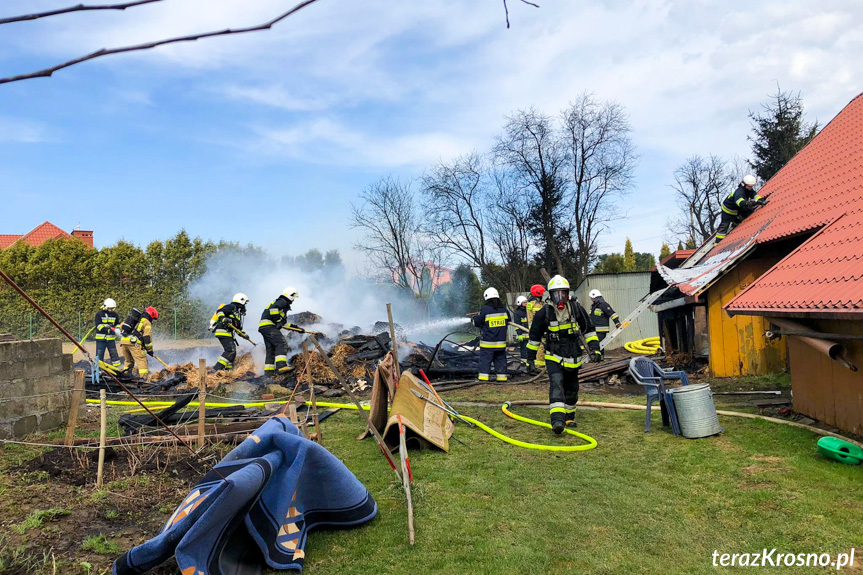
(637, 504)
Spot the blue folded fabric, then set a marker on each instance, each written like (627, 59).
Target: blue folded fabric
(278, 487)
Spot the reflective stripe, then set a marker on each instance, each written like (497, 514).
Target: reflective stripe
(143, 371)
(265, 323)
(496, 319)
(502, 378)
(569, 362)
(482, 377)
(591, 336)
(740, 201)
(729, 211)
(281, 359)
(554, 326)
(222, 333)
(225, 362)
(614, 315)
(557, 407)
(100, 336)
(269, 367)
(603, 329)
(570, 408)
(493, 344)
(534, 345)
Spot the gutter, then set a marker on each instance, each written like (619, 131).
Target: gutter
(815, 339)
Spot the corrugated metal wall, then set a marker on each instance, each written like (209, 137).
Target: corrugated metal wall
(623, 292)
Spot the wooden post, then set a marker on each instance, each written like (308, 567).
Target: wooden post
(103, 430)
(202, 400)
(74, 405)
(365, 416)
(406, 480)
(394, 344)
(317, 423)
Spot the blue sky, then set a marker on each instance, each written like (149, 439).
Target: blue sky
(267, 138)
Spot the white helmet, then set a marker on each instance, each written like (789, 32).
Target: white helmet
(490, 293)
(241, 298)
(594, 293)
(749, 180)
(558, 282)
(109, 304)
(291, 293)
(520, 301)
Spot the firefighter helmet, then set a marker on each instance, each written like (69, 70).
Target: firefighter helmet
(109, 304)
(241, 298)
(490, 293)
(558, 288)
(594, 293)
(291, 293)
(537, 290)
(749, 180)
(151, 311)
(520, 301)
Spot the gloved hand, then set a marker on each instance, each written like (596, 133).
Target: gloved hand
(598, 356)
(150, 353)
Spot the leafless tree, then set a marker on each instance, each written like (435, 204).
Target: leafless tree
(509, 232)
(531, 149)
(601, 159)
(454, 205)
(700, 184)
(393, 238)
(47, 72)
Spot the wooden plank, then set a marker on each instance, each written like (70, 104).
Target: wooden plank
(394, 344)
(74, 406)
(103, 428)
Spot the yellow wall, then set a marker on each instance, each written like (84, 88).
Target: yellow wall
(737, 344)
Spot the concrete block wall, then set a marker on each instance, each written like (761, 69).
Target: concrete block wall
(34, 368)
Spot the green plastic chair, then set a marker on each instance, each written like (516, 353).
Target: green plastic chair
(841, 451)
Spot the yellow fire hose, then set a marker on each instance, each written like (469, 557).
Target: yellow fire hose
(591, 442)
(647, 346)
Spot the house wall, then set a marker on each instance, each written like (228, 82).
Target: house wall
(624, 292)
(737, 344)
(825, 389)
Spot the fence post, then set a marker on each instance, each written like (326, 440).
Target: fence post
(175, 324)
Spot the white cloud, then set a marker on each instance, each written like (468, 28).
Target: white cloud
(13, 130)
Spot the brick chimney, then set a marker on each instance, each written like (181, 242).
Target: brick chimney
(85, 236)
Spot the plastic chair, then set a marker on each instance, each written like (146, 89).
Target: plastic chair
(652, 377)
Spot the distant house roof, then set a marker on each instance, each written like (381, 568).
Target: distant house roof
(7, 240)
(819, 189)
(42, 233)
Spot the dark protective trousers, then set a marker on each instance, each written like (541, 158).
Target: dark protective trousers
(726, 223)
(562, 392)
(276, 359)
(229, 353)
(486, 358)
(522, 346)
(111, 346)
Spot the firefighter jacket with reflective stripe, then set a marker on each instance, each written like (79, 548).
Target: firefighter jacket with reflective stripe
(105, 320)
(603, 314)
(562, 343)
(492, 324)
(736, 199)
(520, 318)
(276, 313)
(142, 335)
(228, 315)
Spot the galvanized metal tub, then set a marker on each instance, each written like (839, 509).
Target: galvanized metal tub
(696, 411)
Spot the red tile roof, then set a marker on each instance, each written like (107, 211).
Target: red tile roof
(821, 188)
(7, 240)
(42, 233)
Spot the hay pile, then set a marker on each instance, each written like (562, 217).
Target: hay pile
(244, 369)
(321, 372)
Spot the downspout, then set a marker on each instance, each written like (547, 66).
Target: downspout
(819, 342)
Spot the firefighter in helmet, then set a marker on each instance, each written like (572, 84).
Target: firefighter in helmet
(492, 320)
(107, 322)
(520, 319)
(562, 321)
(227, 324)
(602, 314)
(136, 340)
(273, 320)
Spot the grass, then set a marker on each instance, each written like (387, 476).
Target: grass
(639, 503)
(37, 517)
(101, 545)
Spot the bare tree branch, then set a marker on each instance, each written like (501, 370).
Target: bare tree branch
(506, 9)
(77, 8)
(105, 52)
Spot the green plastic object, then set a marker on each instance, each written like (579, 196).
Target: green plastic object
(840, 451)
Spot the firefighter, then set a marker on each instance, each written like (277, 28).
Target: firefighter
(561, 321)
(273, 319)
(602, 315)
(534, 304)
(492, 320)
(227, 323)
(136, 340)
(738, 205)
(520, 318)
(107, 321)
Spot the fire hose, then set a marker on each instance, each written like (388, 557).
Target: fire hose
(591, 442)
(646, 346)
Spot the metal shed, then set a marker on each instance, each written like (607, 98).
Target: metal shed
(623, 291)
